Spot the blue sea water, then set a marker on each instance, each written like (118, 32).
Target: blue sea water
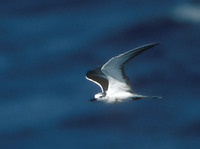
(46, 47)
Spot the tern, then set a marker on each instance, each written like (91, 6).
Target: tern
(112, 80)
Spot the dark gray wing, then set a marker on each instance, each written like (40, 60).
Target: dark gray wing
(97, 76)
(114, 68)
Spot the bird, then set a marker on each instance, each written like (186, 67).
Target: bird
(114, 84)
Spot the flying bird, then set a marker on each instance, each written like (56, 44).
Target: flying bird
(112, 80)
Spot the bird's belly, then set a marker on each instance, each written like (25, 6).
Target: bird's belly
(120, 97)
(117, 100)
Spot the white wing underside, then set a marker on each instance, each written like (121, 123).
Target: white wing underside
(114, 70)
(117, 80)
(115, 86)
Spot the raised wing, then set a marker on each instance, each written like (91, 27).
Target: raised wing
(97, 76)
(114, 68)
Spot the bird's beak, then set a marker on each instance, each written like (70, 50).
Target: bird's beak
(93, 99)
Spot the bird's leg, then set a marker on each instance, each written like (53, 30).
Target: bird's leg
(136, 98)
(151, 97)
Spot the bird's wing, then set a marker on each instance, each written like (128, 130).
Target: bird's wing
(114, 69)
(97, 76)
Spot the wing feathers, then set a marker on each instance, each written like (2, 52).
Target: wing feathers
(98, 77)
(111, 76)
(120, 60)
(125, 57)
(114, 70)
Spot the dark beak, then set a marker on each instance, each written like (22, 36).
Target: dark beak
(93, 99)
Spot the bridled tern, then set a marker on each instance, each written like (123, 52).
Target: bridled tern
(112, 80)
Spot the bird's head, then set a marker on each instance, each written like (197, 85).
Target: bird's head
(99, 97)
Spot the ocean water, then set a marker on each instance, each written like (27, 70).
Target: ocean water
(46, 47)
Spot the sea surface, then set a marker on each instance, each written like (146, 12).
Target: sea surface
(46, 47)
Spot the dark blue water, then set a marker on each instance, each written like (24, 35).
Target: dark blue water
(47, 46)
